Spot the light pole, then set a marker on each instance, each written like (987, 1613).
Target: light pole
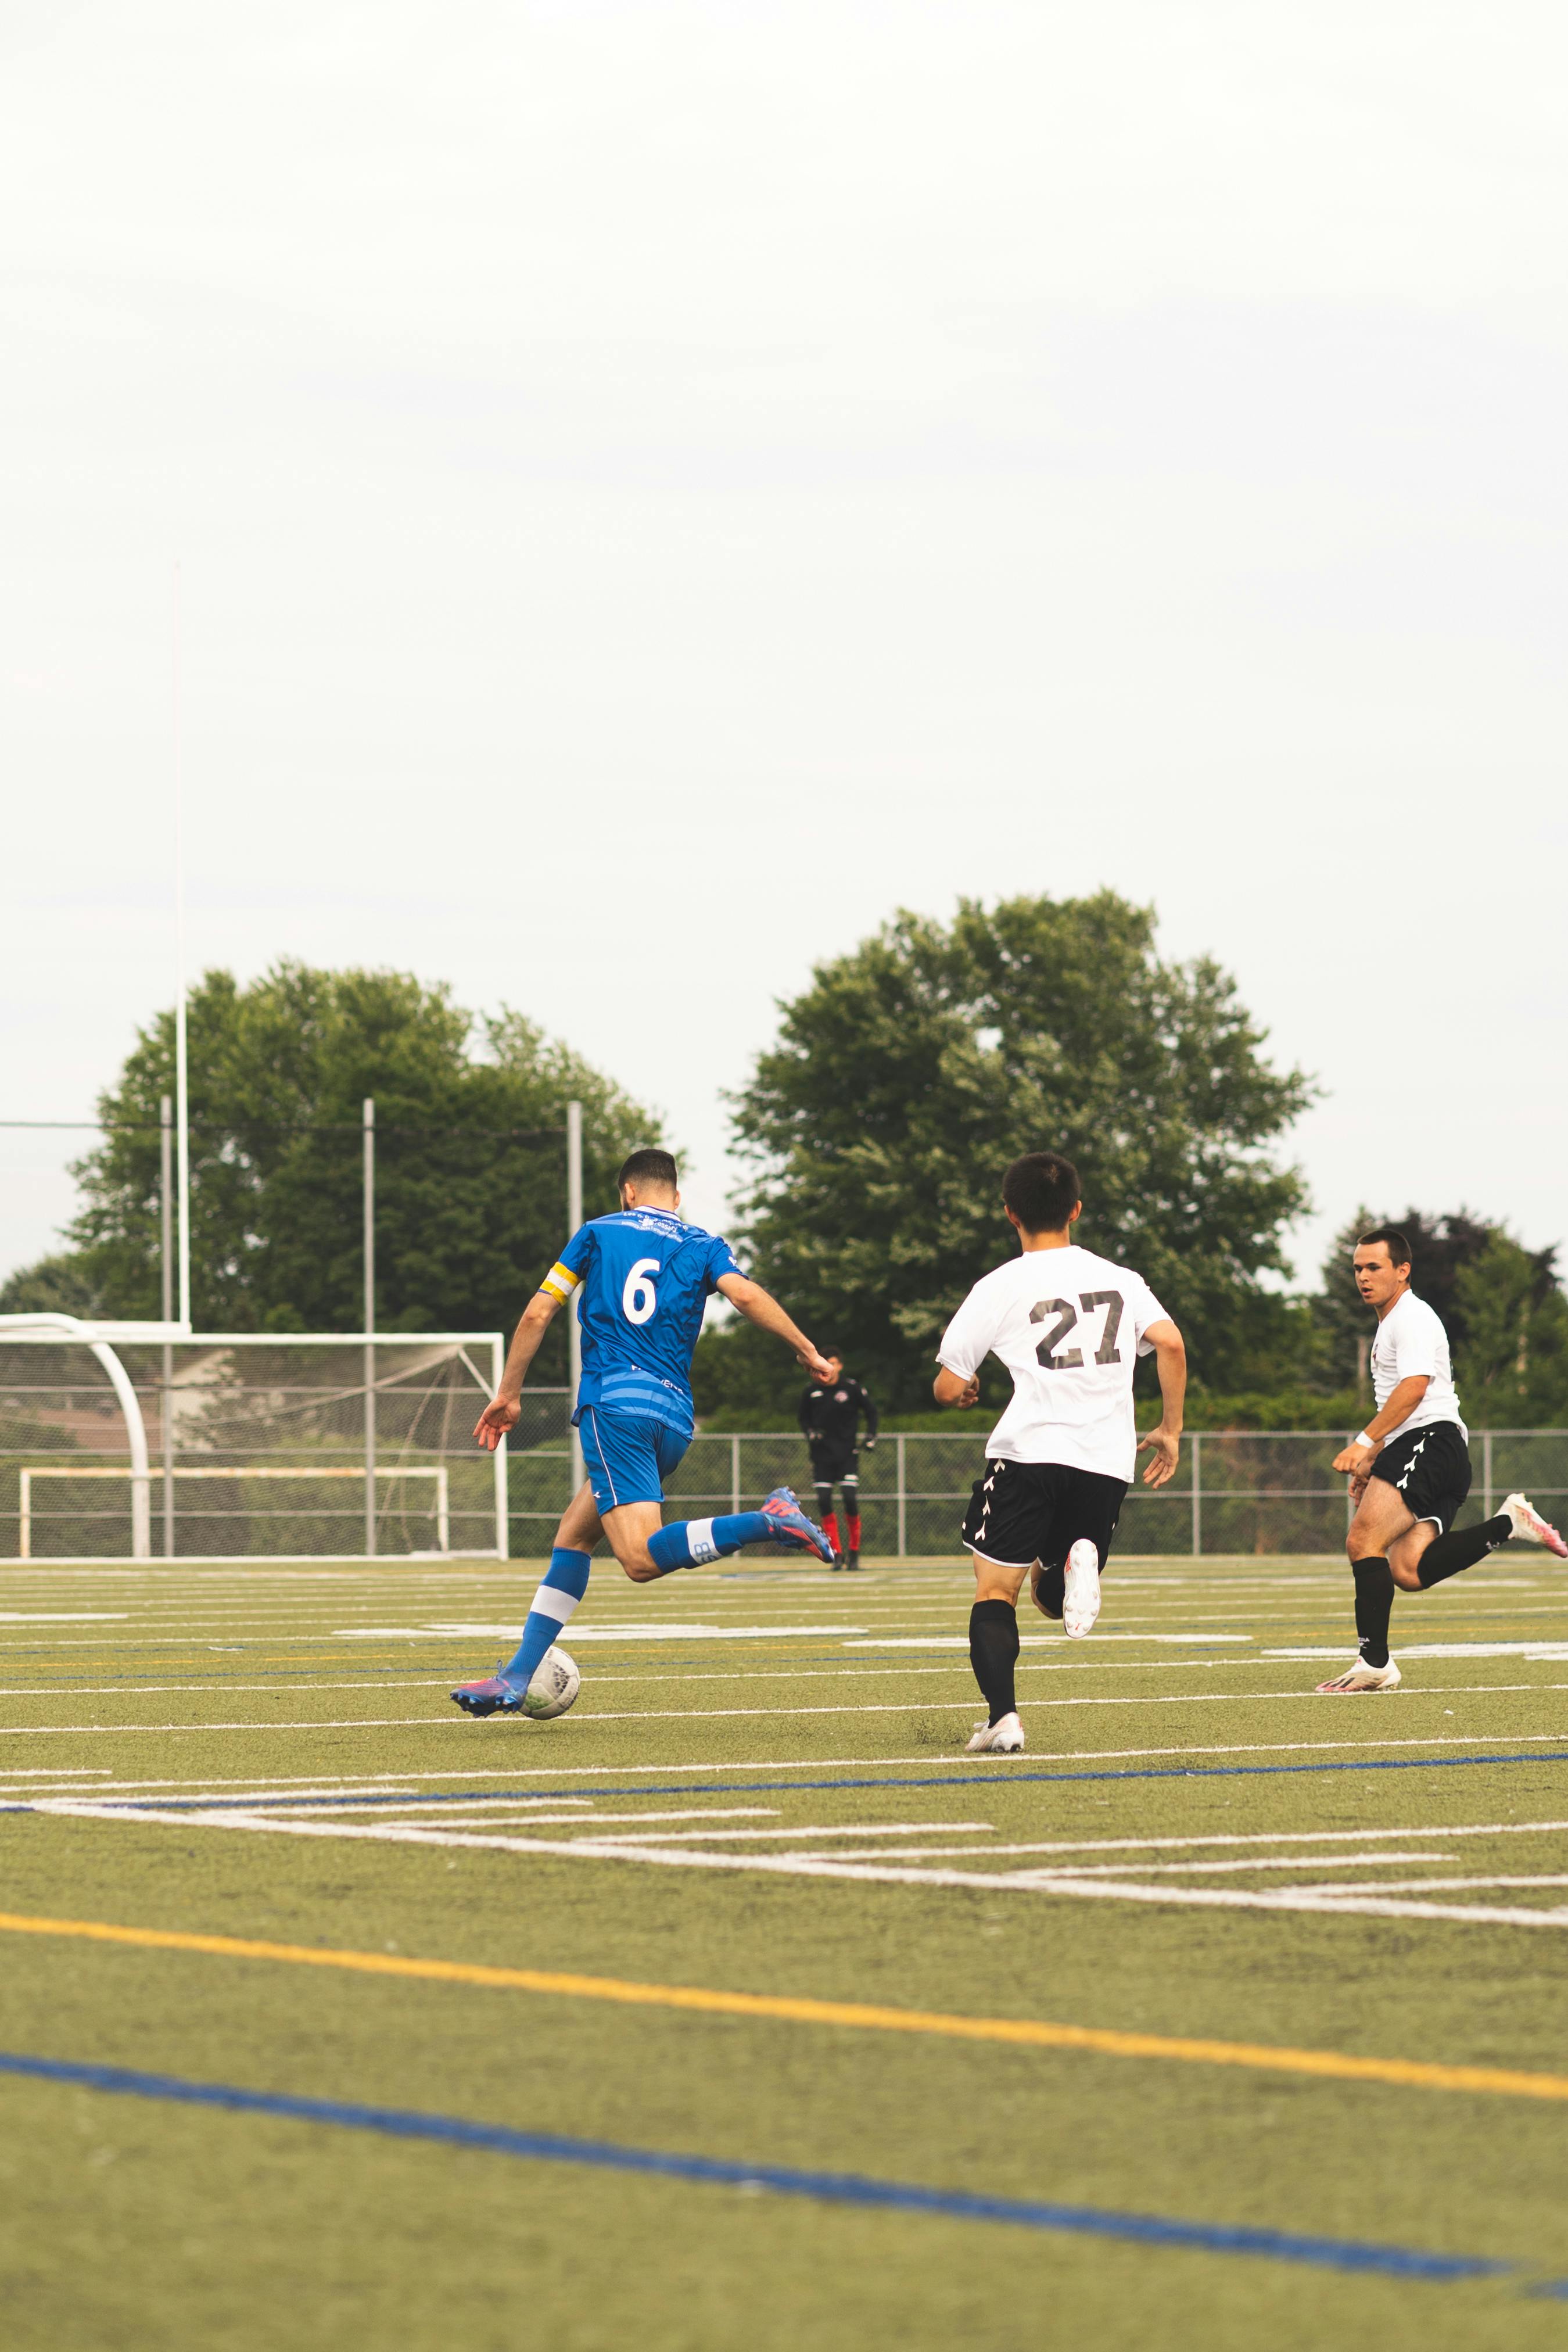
(370, 1208)
(166, 1204)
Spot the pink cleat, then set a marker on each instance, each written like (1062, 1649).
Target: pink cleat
(1529, 1523)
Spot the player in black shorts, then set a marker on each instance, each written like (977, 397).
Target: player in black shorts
(1410, 1467)
(831, 1415)
(1069, 1327)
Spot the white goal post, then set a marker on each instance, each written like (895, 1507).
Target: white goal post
(31, 1472)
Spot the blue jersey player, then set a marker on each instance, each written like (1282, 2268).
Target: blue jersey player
(644, 1276)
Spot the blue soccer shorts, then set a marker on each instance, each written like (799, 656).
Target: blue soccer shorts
(628, 1456)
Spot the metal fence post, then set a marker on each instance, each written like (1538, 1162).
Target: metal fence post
(369, 1244)
(735, 1473)
(499, 1459)
(902, 1495)
(166, 1176)
(1486, 1474)
(1196, 1495)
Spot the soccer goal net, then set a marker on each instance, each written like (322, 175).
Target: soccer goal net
(257, 1447)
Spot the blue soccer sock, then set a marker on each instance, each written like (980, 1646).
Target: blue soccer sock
(691, 1542)
(561, 1587)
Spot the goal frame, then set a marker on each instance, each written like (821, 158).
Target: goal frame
(102, 1338)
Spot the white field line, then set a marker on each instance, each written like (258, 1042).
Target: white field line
(904, 1706)
(192, 1730)
(795, 1671)
(1036, 1641)
(1542, 1653)
(1430, 1885)
(811, 1830)
(322, 1783)
(231, 1690)
(1361, 1903)
(511, 1632)
(1148, 1870)
(505, 1808)
(479, 1808)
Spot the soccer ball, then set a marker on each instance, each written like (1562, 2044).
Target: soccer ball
(553, 1688)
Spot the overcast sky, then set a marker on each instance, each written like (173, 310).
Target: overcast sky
(657, 488)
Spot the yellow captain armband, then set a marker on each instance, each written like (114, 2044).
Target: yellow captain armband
(560, 1281)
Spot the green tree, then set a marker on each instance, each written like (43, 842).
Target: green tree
(470, 1157)
(59, 1285)
(1501, 1304)
(911, 1070)
(1512, 1364)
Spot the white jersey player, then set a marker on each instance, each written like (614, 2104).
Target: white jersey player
(1070, 1326)
(1410, 1467)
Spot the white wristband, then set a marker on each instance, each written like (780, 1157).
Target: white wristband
(1365, 1440)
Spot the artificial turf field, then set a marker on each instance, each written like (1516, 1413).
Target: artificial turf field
(481, 2084)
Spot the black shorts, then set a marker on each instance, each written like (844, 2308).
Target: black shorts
(1430, 1470)
(1023, 1511)
(831, 1468)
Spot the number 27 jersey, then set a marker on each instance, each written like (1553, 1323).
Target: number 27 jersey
(645, 1276)
(1069, 1327)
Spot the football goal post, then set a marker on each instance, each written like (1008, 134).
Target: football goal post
(245, 1445)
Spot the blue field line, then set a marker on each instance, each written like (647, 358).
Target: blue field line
(1000, 1776)
(1350, 2254)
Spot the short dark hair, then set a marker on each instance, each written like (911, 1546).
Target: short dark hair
(650, 1166)
(1042, 1191)
(1399, 1250)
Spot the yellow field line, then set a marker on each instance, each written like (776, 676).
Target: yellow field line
(1019, 2031)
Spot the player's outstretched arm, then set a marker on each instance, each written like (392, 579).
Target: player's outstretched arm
(1164, 1442)
(501, 1413)
(759, 1306)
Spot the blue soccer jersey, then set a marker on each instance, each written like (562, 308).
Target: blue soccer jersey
(645, 1276)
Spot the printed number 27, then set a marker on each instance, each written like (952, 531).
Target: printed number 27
(639, 1297)
(1066, 1315)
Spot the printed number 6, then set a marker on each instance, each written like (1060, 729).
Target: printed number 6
(639, 1298)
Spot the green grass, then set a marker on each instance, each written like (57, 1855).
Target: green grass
(134, 2222)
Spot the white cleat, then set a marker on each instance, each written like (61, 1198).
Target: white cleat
(1004, 1738)
(1362, 1677)
(1529, 1523)
(1081, 1593)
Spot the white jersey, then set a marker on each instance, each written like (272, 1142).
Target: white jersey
(1411, 1340)
(1069, 1327)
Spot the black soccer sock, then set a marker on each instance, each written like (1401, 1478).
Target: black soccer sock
(824, 1496)
(1374, 1608)
(1447, 1555)
(1051, 1590)
(993, 1653)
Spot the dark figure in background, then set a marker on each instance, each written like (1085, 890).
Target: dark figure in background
(831, 1415)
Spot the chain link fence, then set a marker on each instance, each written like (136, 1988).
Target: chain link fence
(261, 1448)
(1235, 1490)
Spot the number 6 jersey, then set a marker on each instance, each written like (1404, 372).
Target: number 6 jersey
(1069, 1327)
(645, 1276)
